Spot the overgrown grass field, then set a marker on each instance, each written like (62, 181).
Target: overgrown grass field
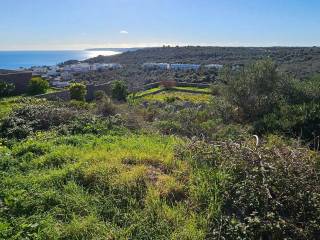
(89, 187)
(179, 96)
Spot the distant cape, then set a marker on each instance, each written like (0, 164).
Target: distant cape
(113, 49)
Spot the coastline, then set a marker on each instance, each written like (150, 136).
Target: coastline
(13, 60)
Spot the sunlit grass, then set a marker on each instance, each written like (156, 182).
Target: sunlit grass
(180, 96)
(6, 105)
(88, 187)
(207, 90)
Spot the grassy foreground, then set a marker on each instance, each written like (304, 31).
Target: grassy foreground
(89, 187)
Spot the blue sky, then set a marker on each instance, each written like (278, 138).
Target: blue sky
(79, 24)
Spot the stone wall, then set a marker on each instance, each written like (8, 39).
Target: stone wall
(19, 79)
(55, 96)
(198, 85)
(91, 89)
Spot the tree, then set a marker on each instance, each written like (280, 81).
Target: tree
(255, 90)
(6, 89)
(119, 90)
(38, 85)
(78, 91)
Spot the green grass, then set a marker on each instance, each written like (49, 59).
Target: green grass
(181, 96)
(152, 90)
(207, 90)
(52, 90)
(6, 105)
(88, 187)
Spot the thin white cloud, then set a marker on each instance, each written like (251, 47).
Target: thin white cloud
(124, 32)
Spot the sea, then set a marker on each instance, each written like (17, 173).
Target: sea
(13, 60)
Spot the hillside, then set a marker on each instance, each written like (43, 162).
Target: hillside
(176, 162)
(301, 62)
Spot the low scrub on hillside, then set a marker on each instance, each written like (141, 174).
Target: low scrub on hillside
(240, 164)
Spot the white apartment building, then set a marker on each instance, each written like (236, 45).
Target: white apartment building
(60, 84)
(39, 70)
(65, 75)
(86, 67)
(185, 67)
(162, 66)
(216, 66)
(81, 67)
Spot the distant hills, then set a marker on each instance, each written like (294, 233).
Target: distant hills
(301, 62)
(113, 49)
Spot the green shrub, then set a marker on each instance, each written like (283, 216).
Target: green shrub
(255, 90)
(99, 95)
(78, 92)
(6, 89)
(38, 85)
(273, 193)
(171, 99)
(300, 120)
(119, 90)
(39, 117)
(105, 107)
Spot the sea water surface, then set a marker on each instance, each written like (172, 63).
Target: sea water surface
(25, 59)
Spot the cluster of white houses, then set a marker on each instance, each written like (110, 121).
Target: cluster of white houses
(60, 76)
(179, 66)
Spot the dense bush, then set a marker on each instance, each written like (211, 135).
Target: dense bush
(272, 102)
(38, 85)
(30, 118)
(255, 90)
(105, 107)
(269, 192)
(6, 89)
(273, 193)
(119, 90)
(78, 91)
(297, 114)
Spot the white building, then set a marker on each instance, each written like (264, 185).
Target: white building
(80, 67)
(216, 66)
(185, 67)
(86, 67)
(100, 66)
(60, 84)
(66, 75)
(39, 70)
(162, 66)
(53, 73)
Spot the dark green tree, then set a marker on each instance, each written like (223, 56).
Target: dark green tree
(78, 91)
(119, 90)
(38, 85)
(254, 90)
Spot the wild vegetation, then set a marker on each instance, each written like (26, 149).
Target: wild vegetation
(78, 91)
(6, 89)
(240, 163)
(38, 85)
